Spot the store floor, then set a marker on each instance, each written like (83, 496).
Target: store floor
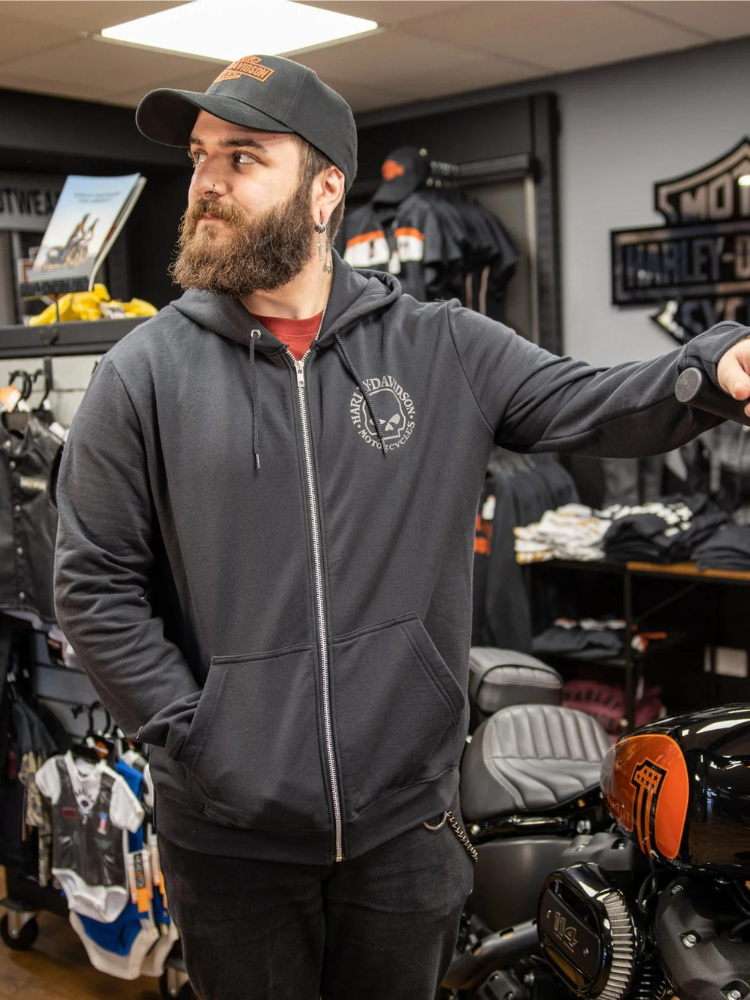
(57, 968)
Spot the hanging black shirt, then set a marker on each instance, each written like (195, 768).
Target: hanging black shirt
(407, 240)
(28, 520)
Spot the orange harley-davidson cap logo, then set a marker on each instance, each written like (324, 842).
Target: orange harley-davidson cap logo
(247, 66)
(391, 170)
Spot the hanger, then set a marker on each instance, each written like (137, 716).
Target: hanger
(86, 748)
(16, 417)
(43, 409)
(27, 383)
(445, 178)
(12, 682)
(105, 739)
(95, 746)
(115, 736)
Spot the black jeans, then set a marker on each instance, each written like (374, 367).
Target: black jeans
(383, 925)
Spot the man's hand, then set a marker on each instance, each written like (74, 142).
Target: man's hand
(733, 371)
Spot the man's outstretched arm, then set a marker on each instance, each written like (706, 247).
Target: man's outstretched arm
(103, 562)
(535, 401)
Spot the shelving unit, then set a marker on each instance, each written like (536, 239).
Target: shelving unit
(686, 573)
(64, 339)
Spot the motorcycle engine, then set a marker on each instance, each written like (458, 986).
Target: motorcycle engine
(588, 932)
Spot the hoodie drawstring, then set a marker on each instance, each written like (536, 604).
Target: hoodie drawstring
(371, 406)
(255, 335)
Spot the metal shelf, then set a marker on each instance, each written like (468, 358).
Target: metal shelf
(686, 573)
(57, 339)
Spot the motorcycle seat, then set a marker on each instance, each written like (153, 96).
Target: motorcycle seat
(530, 758)
(502, 677)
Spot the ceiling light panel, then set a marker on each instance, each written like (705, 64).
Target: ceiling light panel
(229, 29)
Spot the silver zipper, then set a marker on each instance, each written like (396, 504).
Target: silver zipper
(299, 367)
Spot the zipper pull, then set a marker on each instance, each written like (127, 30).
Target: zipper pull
(300, 372)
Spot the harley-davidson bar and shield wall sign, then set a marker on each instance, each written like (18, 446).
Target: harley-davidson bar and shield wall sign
(696, 266)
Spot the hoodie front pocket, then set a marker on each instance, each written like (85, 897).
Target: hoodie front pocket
(253, 745)
(396, 705)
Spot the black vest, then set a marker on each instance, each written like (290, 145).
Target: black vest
(90, 845)
(28, 519)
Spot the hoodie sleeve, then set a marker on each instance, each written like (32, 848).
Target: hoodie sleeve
(534, 401)
(103, 559)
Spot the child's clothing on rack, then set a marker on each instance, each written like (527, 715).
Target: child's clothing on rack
(92, 806)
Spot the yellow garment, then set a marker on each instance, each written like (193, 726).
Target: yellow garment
(76, 306)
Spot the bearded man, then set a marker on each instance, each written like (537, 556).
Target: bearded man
(267, 505)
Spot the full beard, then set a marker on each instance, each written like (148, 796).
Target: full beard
(246, 256)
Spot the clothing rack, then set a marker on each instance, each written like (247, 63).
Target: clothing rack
(496, 170)
(25, 896)
(523, 167)
(442, 173)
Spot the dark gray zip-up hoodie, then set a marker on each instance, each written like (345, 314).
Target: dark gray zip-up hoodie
(265, 568)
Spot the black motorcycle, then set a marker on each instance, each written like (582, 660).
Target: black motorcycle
(529, 796)
(649, 900)
(658, 906)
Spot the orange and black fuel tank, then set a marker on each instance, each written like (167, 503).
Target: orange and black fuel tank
(681, 788)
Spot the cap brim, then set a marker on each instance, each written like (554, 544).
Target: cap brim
(168, 116)
(392, 192)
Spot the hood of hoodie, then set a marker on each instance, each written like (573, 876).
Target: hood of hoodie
(354, 295)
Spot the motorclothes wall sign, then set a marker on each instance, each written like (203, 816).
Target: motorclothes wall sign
(27, 202)
(696, 266)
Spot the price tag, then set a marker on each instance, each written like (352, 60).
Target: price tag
(139, 876)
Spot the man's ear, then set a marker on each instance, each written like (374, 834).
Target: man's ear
(329, 187)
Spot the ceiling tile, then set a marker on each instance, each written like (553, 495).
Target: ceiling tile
(20, 37)
(54, 88)
(480, 73)
(717, 18)
(111, 67)
(199, 81)
(436, 47)
(558, 34)
(397, 61)
(385, 11)
(363, 98)
(83, 15)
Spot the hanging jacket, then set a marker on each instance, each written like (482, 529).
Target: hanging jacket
(265, 566)
(28, 519)
(406, 240)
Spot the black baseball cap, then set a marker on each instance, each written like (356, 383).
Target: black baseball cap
(403, 171)
(268, 93)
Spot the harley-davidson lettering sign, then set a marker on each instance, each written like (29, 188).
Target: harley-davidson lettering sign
(696, 265)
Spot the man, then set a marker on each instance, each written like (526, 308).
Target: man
(267, 505)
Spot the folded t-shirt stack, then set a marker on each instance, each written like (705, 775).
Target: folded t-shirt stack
(573, 531)
(590, 639)
(666, 531)
(587, 639)
(728, 548)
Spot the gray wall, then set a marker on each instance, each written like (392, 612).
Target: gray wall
(70, 376)
(623, 128)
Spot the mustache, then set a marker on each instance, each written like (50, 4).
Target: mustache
(206, 206)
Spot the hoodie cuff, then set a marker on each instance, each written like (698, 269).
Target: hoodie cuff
(706, 350)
